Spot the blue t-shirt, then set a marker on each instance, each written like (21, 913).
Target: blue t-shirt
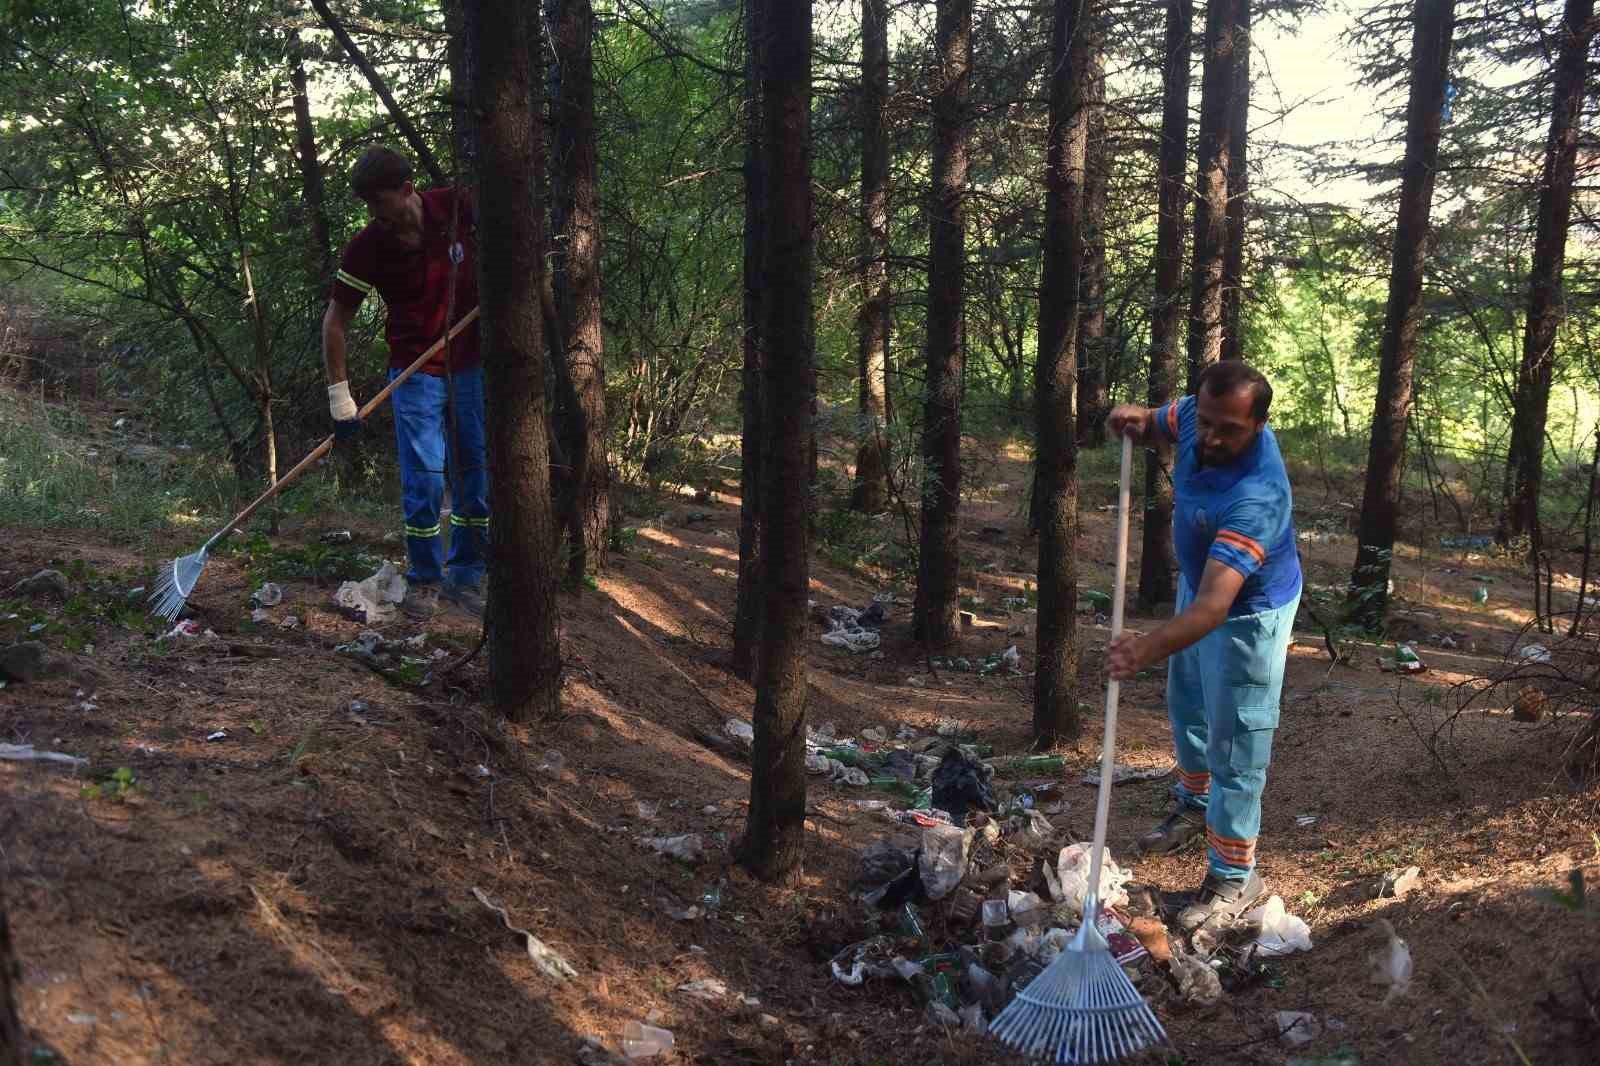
(1241, 514)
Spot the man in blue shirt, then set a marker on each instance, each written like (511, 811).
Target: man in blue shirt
(1226, 646)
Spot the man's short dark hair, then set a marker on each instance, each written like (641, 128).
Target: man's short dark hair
(379, 169)
(1226, 375)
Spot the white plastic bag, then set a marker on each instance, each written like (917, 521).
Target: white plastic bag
(1069, 881)
(377, 596)
(1391, 964)
(1281, 932)
(942, 863)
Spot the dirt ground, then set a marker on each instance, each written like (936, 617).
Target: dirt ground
(302, 890)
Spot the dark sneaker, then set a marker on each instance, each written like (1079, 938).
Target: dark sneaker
(1182, 827)
(421, 602)
(465, 598)
(1220, 901)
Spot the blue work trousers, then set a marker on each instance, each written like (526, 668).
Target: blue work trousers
(421, 427)
(1222, 698)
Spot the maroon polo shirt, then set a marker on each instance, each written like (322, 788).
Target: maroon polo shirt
(414, 282)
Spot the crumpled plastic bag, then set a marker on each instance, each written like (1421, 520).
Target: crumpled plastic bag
(942, 862)
(740, 730)
(1198, 983)
(1281, 932)
(1391, 964)
(872, 957)
(852, 638)
(882, 862)
(376, 596)
(687, 848)
(961, 783)
(1069, 881)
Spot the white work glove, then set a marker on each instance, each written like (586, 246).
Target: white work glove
(346, 415)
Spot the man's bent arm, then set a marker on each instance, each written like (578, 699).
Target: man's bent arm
(1142, 422)
(335, 324)
(1219, 587)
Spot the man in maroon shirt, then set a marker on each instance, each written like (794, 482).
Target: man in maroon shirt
(407, 256)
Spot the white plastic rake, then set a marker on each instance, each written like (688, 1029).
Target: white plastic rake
(173, 586)
(1083, 1008)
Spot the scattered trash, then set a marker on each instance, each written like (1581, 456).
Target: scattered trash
(1304, 820)
(1405, 661)
(960, 784)
(1391, 964)
(876, 734)
(942, 862)
(940, 1014)
(867, 958)
(1069, 881)
(1281, 932)
(260, 614)
(337, 536)
(647, 810)
(1397, 884)
(1448, 642)
(1298, 1028)
(972, 1020)
(376, 597)
(1121, 774)
(552, 763)
(1534, 653)
(742, 731)
(687, 848)
(186, 628)
(1480, 595)
(1198, 983)
(710, 989)
(289, 622)
(1031, 764)
(268, 595)
(1475, 540)
(81, 1018)
(1343, 1057)
(547, 961)
(640, 1041)
(852, 638)
(27, 753)
(220, 734)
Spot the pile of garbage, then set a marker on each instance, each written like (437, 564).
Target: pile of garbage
(852, 629)
(980, 884)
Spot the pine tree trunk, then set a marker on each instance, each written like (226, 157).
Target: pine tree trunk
(524, 653)
(1055, 702)
(1218, 83)
(312, 194)
(747, 611)
(459, 60)
(13, 1044)
(577, 224)
(1092, 370)
(872, 456)
(935, 612)
(1546, 301)
(774, 839)
(1156, 561)
(1238, 194)
(1430, 58)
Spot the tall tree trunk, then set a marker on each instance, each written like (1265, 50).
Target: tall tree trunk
(1588, 537)
(1218, 82)
(1238, 193)
(13, 1045)
(312, 194)
(524, 652)
(1092, 350)
(578, 300)
(747, 611)
(1430, 59)
(1546, 301)
(458, 57)
(402, 121)
(1055, 701)
(934, 618)
(872, 456)
(1156, 560)
(774, 838)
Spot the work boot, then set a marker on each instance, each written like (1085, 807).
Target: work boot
(1182, 827)
(468, 599)
(421, 602)
(1220, 901)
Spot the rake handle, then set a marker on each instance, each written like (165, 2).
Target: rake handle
(327, 444)
(1108, 746)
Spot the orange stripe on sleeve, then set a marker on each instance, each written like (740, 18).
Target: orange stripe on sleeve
(1172, 420)
(1243, 543)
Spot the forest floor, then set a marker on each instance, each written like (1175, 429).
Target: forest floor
(301, 890)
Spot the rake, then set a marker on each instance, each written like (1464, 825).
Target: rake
(1083, 1008)
(173, 587)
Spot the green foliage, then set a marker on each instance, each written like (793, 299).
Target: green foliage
(264, 561)
(115, 787)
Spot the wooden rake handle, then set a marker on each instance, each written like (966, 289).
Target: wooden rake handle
(370, 406)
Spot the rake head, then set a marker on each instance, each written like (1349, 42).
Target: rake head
(176, 582)
(1081, 1009)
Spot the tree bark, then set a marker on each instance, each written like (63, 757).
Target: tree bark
(577, 222)
(1588, 536)
(747, 610)
(1092, 351)
(459, 59)
(774, 838)
(934, 616)
(872, 456)
(1238, 193)
(1546, 300)
(1157, 563)
(1430, 58)
(13, 1044)
(1055, 701)
(402, 121)
(312, 189)
(1218, 82)
(524, 652)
